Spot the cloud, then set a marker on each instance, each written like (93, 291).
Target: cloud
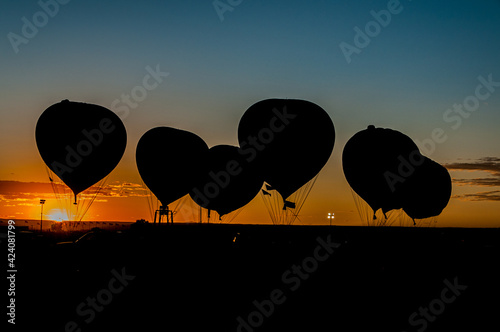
(12, 187)
(481, 196)
(15, 191)
(490, 159)
(19, 191)
(124, 189)
(490, 165)
(486, 164)
(481, 182)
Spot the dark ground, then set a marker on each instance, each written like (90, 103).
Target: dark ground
(203, 277)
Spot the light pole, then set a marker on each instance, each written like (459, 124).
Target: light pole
(42, 202)
(330, 217)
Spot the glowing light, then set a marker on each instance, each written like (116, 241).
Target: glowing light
(57, 215)
(331, 216)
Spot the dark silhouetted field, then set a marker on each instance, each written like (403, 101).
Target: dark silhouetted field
(199, 277)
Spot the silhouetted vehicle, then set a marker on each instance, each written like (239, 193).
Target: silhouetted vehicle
(92, 250)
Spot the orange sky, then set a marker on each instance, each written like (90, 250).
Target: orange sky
(473, 203)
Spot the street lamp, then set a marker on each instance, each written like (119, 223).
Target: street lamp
(330, 217)
(42, 202)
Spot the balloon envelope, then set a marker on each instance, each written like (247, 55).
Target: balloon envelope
(287, 141)
(427, 190)
(81, 143)
(226, 184)
(168, 161)
(372, 161)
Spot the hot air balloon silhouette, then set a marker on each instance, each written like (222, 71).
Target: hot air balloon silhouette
(427, 190)
(385, 168)
(81, 143)
(368, 156)
(287, 141)
(226, 184)
(168, 160)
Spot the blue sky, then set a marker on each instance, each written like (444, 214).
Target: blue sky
(426, 59)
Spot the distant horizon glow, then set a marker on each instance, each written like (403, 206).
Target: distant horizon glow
(57, 215)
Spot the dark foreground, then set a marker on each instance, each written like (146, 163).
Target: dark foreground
(261, 278)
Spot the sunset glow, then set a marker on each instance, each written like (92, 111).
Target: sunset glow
(57, 215)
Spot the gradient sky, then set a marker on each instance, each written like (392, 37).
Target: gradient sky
(426, 59)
